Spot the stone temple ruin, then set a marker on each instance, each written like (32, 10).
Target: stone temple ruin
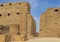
(16, 22)
(50, 23)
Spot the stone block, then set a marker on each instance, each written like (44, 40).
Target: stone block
(2, 38)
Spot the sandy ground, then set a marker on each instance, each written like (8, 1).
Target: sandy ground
(46, 39)
(37, 39)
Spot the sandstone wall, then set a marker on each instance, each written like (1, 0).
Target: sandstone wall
(50, 23)
(15, 17)
(31, 26)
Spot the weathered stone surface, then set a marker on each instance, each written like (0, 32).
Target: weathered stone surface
(16, 16)
(7, 38)
(2, 38)
(50, 23)
(4, 29)
(16, 38)
(14, 29)
(31, 30)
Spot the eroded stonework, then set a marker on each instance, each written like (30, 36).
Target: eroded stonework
(16, 22)
(50, 23)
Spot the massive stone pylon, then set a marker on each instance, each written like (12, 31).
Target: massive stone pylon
(16, 22)
(50, 23)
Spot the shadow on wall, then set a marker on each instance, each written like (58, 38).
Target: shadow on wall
(4, 29)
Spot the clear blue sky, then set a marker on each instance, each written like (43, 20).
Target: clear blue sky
(37, 7)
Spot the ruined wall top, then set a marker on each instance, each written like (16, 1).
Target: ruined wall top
(14, 6)
(53, 10)
(10, 13)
